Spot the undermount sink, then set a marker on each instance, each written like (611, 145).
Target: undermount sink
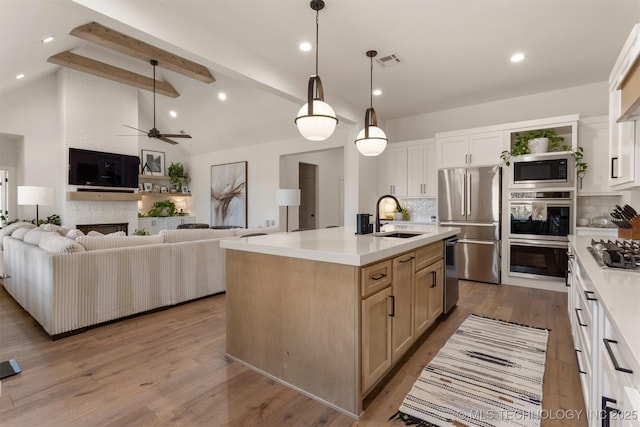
(400, 234)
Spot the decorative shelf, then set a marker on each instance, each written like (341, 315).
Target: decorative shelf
(103, 196)
(158, 177)
(149, 193)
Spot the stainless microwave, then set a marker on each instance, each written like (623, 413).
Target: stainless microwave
(543, 170)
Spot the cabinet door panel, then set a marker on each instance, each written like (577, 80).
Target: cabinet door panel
(376, 338)
(485, 148)
(453, 151)
(594, 141)
(421, 302)
(436, 290)
(416, 171)
(402, 289)
(431, 170)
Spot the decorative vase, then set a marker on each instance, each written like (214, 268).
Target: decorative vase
(538, 145)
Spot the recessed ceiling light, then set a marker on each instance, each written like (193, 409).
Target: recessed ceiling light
(305, 46)
(517, 57)
(377, 92)
(47, 39)
(222, 96)
(19, 76)
(173, 114)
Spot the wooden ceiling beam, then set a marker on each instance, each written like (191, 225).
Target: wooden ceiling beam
(81, 63)
(114, 40)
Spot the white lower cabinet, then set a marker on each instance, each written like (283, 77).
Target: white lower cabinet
(154, 225)
(609, 377)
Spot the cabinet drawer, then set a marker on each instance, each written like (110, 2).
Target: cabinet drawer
(375, 277)
(429, 254)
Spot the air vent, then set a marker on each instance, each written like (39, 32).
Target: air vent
(388, 60)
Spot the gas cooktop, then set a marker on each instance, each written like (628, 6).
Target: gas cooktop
(622, 254)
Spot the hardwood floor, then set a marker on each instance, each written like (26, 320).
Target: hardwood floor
(168, 368)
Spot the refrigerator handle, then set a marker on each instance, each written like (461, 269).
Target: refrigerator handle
(463, 192)
(469, 186)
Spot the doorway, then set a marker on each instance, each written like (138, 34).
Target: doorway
(308, 181)
(4, 196)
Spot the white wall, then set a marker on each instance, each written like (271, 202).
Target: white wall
(33, 111)
(263, 175)
(330, 185)
(588, 100)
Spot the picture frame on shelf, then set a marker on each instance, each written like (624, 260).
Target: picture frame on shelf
(153, 162)
(229, 194)
(148, 187)
(185, 189)
(140, 187)
(164, 189)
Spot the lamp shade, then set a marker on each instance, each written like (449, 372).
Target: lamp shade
(36, 195)
(374, 144)
(288, 197)
(319, 125)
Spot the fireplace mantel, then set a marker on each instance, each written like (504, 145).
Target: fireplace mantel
(103, 196)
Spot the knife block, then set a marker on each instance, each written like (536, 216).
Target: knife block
(630, 233)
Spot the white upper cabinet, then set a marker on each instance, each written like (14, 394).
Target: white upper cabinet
(393, 171)
(423, 170)
(477, 149)
(593, 136)
(624, 95)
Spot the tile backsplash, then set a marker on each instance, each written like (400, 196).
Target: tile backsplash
(421, 209)
(592, 206)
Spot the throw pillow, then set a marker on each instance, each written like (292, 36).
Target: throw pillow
(19, 233)
(34, 236)
(53, 227)
(9, 229)
(74, 234)
(94, 233)
(116, 233)
(53, 242)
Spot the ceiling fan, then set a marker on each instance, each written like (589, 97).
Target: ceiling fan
(154, 132)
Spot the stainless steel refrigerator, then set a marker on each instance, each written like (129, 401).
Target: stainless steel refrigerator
(470, 198)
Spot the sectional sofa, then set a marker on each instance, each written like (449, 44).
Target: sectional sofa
(68, 283)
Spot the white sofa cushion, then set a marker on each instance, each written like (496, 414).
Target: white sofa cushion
(53, 242)
(74, 233)
(19, 233)
(192, 234)
(92, 243)
(34, 236)
(9, 229)
(53, 227)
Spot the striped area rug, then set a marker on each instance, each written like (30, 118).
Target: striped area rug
(489, 373)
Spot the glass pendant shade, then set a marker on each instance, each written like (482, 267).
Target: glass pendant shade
(374, 145)
(319, 125)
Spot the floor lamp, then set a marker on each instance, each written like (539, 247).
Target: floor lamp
(288, 197)
(36, 195)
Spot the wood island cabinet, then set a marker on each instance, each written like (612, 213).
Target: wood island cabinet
(428, 296)
(402, 286)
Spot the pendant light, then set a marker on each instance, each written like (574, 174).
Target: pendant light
(316, 119)
(371, 141)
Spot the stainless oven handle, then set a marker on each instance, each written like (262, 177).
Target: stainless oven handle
(552, 202)
(543, 243)
(466, 224)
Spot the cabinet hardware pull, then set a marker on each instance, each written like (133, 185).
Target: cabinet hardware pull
(402, 261)
(578, 310)
(378, 277)
(606, 417)
(393, 306)
(433, 279)
(589, 297)
(607, 344)
(580, 371)
(612, 160)
(567, 283)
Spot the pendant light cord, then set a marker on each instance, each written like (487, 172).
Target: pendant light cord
(154, 95)
(371, 84)
(317, 46)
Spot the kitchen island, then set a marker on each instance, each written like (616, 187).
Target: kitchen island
(328, 312)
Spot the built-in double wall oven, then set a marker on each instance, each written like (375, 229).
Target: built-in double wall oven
(539, 224)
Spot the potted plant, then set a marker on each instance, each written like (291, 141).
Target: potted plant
(178, 176)
(163, 208)
(534, 141)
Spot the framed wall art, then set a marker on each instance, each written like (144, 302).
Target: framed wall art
(229, 194)
(152, 162)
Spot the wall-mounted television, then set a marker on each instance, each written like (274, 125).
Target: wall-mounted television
(96, 168)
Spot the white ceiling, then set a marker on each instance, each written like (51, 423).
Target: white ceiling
(454, 53)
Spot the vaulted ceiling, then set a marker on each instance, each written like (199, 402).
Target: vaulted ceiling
(452, 53)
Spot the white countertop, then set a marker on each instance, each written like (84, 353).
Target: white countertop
(339, 245)
(618, 292)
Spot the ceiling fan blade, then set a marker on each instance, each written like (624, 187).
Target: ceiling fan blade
(131, 127)
(165, 139)
(176, 135)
